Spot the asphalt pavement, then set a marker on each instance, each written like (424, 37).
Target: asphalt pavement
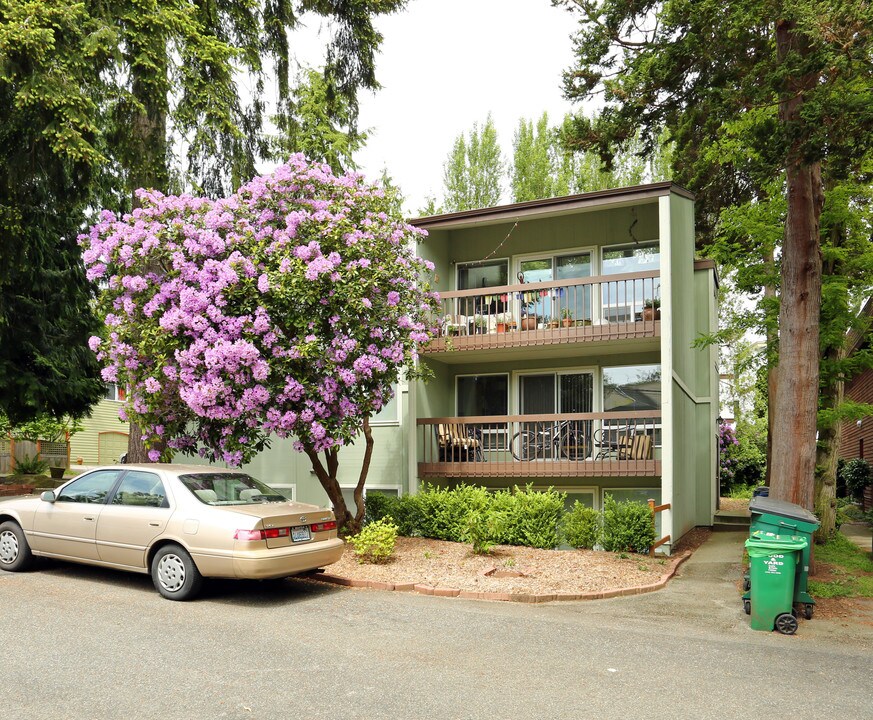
(79, 642)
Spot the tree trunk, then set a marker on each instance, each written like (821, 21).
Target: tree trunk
(772, 350)
(349, 524)
(794, 424)
(362, 478)
(148, 137)
(827, 453)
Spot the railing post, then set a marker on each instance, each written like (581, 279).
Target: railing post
(654, 526)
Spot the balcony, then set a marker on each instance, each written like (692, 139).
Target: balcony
(528, 446)
(614, 307)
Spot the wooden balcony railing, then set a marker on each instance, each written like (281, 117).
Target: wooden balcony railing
(563, 311)
(561, 445)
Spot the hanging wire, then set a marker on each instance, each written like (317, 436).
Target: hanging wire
(494, 251)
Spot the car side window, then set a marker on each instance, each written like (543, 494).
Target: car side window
(140, 488)
(90, 488)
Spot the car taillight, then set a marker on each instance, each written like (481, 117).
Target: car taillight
(324, 526)
(249, 535)
(270, 533)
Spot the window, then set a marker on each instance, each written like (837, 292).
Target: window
(114, 392)
(623, 301)
(349, 495)
(633, 388)
(485, 395)
(229, 489)
(483, 274)
(140, 488)
(551, 393)
(389, 414)
(572, 301)
(91, 488)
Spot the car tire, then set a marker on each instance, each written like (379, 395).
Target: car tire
(15, 554)
(174, 573)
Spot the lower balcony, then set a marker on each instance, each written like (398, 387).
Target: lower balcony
(527, 446)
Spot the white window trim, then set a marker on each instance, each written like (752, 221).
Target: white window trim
(286, 486)
(575, 490)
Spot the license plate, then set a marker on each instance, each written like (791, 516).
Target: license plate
(300, 533)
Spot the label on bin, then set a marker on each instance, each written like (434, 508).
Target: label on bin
(774, 564)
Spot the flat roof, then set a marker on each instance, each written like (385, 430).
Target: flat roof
(552, 206)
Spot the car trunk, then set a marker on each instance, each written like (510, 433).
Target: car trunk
(295, 517)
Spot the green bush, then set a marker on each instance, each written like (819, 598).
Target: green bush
(403, 510)
(31, 466)
(375, 543)
(627, 526)
(482, 529)
(856, 475)
(537, 517)
(582, 526)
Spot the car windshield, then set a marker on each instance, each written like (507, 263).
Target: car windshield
(218, 488)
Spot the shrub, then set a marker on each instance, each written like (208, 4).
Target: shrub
(31, 466)
(582, 526)
(482, 529)
(375, 543)
(856, 474)
(537, 517)
(627, 526)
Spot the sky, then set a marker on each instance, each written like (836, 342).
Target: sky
(446, 64)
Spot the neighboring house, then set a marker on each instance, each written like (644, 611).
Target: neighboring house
(103, 437)
(857, 436)
(592, 392)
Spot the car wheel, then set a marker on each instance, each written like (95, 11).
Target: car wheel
(15, 554)
(174, 573)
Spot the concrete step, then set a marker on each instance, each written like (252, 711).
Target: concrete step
(731, 520)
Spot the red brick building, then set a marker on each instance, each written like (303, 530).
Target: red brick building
(857, 440)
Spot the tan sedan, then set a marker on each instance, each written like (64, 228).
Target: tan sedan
(179, 523)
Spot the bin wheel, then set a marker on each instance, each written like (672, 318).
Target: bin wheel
(747, 584)
(747, 607)
(786, 623)
(807, 611)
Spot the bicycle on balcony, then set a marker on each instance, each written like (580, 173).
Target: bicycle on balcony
(562, 440)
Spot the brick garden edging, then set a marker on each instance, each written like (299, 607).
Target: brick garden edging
(423, 589)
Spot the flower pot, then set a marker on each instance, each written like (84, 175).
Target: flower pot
(651, 313)
(57, 473)
(501, 327)
(567, 322)
(529, 323)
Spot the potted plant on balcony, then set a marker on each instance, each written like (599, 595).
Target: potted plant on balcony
(566, 317)
(480, 322)
(652, 309)
(503, 321)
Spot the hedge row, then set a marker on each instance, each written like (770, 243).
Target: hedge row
(514, 517)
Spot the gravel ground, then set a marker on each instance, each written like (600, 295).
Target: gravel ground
(453, 565)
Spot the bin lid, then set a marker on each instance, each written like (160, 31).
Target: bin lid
(767, 543)
(782, 508)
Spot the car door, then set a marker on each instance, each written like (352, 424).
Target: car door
(135, 515)
(67, 527)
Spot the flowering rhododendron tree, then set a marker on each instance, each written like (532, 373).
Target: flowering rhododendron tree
(286, 310)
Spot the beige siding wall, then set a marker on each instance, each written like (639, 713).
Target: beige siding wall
(85, 445)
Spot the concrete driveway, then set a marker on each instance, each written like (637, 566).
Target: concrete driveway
(78, 642)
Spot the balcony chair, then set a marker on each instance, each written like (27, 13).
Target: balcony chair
(456, 443)
(622, 444)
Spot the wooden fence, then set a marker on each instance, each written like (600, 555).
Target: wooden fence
(56, 454)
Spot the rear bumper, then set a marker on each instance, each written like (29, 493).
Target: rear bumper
(276, 563)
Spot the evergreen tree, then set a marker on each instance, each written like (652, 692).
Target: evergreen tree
(793, 81)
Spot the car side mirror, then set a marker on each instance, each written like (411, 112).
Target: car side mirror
(48, 496)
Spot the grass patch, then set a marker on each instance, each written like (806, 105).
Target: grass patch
(851, 570)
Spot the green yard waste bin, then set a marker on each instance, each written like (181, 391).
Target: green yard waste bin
(784, 518)
(773, 561)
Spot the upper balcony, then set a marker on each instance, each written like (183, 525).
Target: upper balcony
(580, 310)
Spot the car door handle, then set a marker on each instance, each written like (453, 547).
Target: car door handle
(91, 519)
(155, 524)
